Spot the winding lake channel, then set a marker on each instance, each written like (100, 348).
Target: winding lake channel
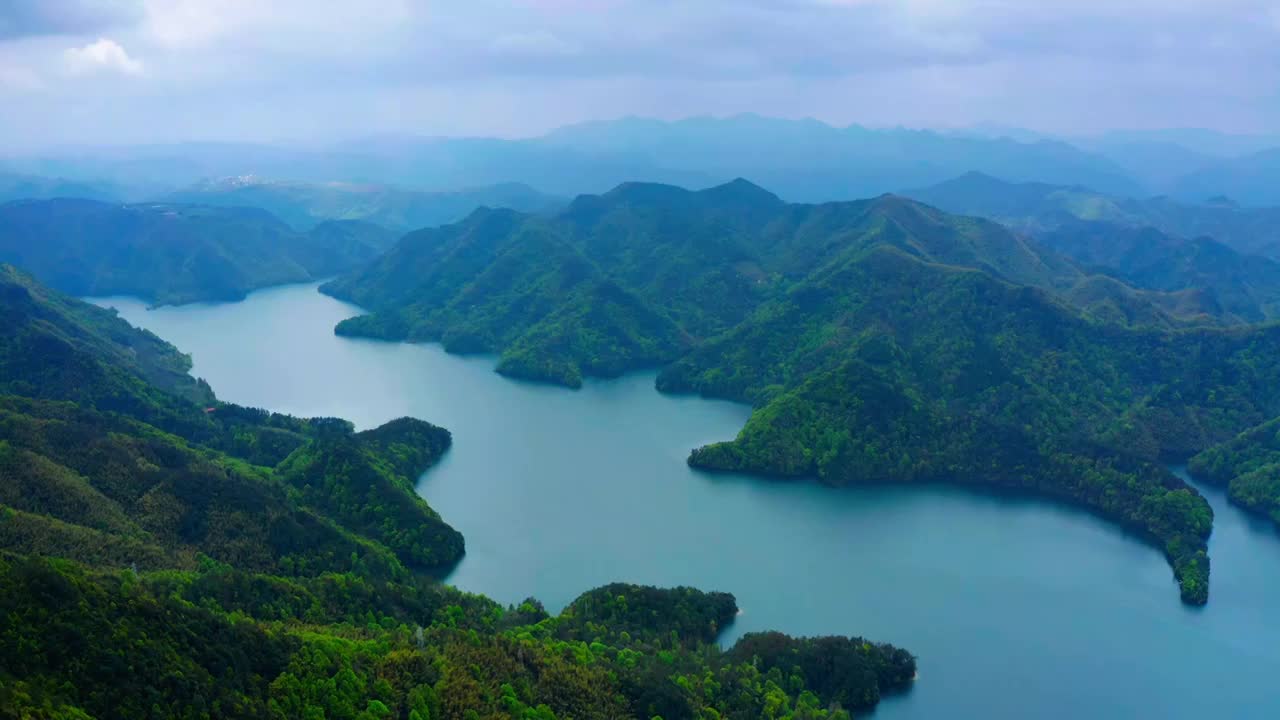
(1016, 608)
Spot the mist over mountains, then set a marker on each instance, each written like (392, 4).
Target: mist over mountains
(802, 160)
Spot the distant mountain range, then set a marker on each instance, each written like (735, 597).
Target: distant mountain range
(1228, 254)
(15, 186)
(802, 160)
(170, 253)
(1036, 206)
(304, 205)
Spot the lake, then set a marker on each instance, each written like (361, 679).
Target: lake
(1016, 608)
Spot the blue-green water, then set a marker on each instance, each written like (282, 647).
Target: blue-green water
(1016, 608)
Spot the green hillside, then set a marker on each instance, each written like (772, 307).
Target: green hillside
(1248, 466)
(636, 277)
(172, 254)
(880, 340)
(162, 558)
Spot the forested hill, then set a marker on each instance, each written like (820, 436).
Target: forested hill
(171, 254)
(638, 276)
(887, 368)
(1248, 466)
(87, 397)
(1221, 258)
(880, 340)
(163, 558)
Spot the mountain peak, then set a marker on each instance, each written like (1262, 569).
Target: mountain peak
(637, 191)
(741, 190)
(977, 176)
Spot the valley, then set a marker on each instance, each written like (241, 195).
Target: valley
(556, 491)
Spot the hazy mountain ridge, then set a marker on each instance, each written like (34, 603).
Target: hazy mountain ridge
(19, 187)
(168, 253)
(803, 160)
(1036, 206)
(1155, 244)
(303, 205)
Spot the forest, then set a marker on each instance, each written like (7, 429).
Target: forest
(1248, 466)
(164, 558)
(878, 340)
(169, 253)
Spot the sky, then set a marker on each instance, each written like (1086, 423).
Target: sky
(300, 71)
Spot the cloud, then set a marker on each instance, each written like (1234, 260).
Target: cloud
(35, 18)
(251, 68)
(102, 55)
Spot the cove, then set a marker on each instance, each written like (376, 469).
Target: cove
(1017, 608)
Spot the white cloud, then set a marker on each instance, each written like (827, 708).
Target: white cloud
(102, 55)
(257, 68)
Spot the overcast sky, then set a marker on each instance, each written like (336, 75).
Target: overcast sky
(300, 70)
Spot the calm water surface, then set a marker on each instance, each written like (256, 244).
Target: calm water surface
(1016, 608)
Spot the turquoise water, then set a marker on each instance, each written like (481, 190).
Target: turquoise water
(1016, 608)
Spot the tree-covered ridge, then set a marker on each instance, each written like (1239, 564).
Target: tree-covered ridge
(501, 281)
(164, 559)
(170, 254)
(99, 455)
(55, 346)
(1221, 257)
(880, 340)
(1227, 287)
(365, 481)
(889, 368)
(1248, 466)
(218, 642)
(636, 277)
(133, 484)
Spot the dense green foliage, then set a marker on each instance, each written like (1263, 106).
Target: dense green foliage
(880, 341)
(102, 460)
(163, 559)
(1213, 283)
(1248, 465)
(365, 482)
(220, 643)
(304, 205)
(1144, 243)
(636, 277)
(174, 253)
(889, 369)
